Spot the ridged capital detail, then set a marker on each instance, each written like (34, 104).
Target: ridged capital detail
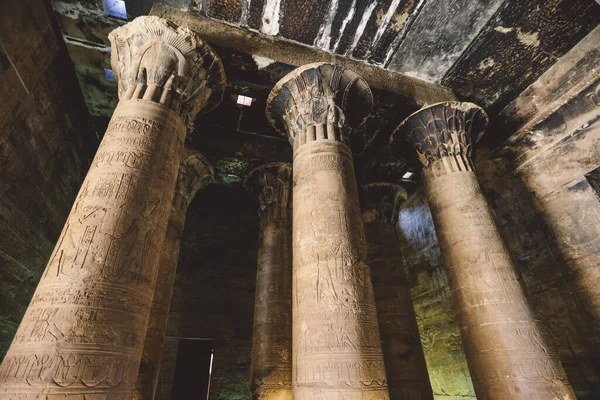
(318, 94)
(195, 173)
(156, 60)
(445, 132)
(272, 183)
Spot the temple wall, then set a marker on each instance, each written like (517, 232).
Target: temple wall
(46, 144)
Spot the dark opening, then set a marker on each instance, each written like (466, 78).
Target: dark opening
(594, 180)
(192, 370)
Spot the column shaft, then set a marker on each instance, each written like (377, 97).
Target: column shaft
(402, 350)
(272, 337)
(195, 173)
(336, 348)
(335, 332)
(508, 354)
(84, 329)
(507, 349)
(271, 365)
(83, 332)
(161, 304)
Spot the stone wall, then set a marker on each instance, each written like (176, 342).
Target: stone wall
(45, 148)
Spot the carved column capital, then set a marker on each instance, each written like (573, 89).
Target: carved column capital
(195, 172)
(444, 132)
(319, 95)
(156, 60)
(272, 183)
(381, 201)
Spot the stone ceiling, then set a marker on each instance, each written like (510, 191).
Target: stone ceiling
(486, 51)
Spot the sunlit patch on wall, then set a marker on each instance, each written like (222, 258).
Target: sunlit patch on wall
(110, 75)
(116, 8)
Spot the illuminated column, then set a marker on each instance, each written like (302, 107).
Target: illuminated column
(336, 347)
(402, 351)
(271, 369)
(507, 350)
(83, 333)
(195, 172)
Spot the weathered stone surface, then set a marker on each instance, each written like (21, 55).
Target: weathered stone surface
(271, 369)
(46, 145)
(402, 351)
(296, 54)
(195, 172)
(156, 60)
(571, 75)
(507, 350)
(91, 307)
(336, 347)
(521, 41)
(441, 32)
(37, 44)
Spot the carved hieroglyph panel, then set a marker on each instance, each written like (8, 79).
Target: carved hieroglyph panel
(336, 345)
(507, 350)
(84, 329)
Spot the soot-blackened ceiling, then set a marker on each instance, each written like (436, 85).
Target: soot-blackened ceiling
(486, 51)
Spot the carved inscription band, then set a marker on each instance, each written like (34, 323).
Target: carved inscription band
(84, 329)
(336, 348)
(83, 332)
(508, 352)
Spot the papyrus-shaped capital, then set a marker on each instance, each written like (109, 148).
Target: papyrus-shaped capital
(444, 132)
(272, 183)
(154, 59)
(319, 94)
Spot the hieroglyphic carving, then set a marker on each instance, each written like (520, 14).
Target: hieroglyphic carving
(271, 364)
(336, 347)
(86, 323)
(156, 60)
(83, 333)
(195, 172)
(402, 350)
(507, 350)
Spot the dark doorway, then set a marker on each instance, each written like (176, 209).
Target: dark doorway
(192, 371)
(594, 180)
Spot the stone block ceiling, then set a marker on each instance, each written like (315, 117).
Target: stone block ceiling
(486, 51)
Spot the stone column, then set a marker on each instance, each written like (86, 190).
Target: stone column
(271, 366)
(402, 350)
(83, 333)
(195, 172)
(336, 348)
(507, 350)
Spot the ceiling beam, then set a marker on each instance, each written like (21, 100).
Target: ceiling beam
(297, 54)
